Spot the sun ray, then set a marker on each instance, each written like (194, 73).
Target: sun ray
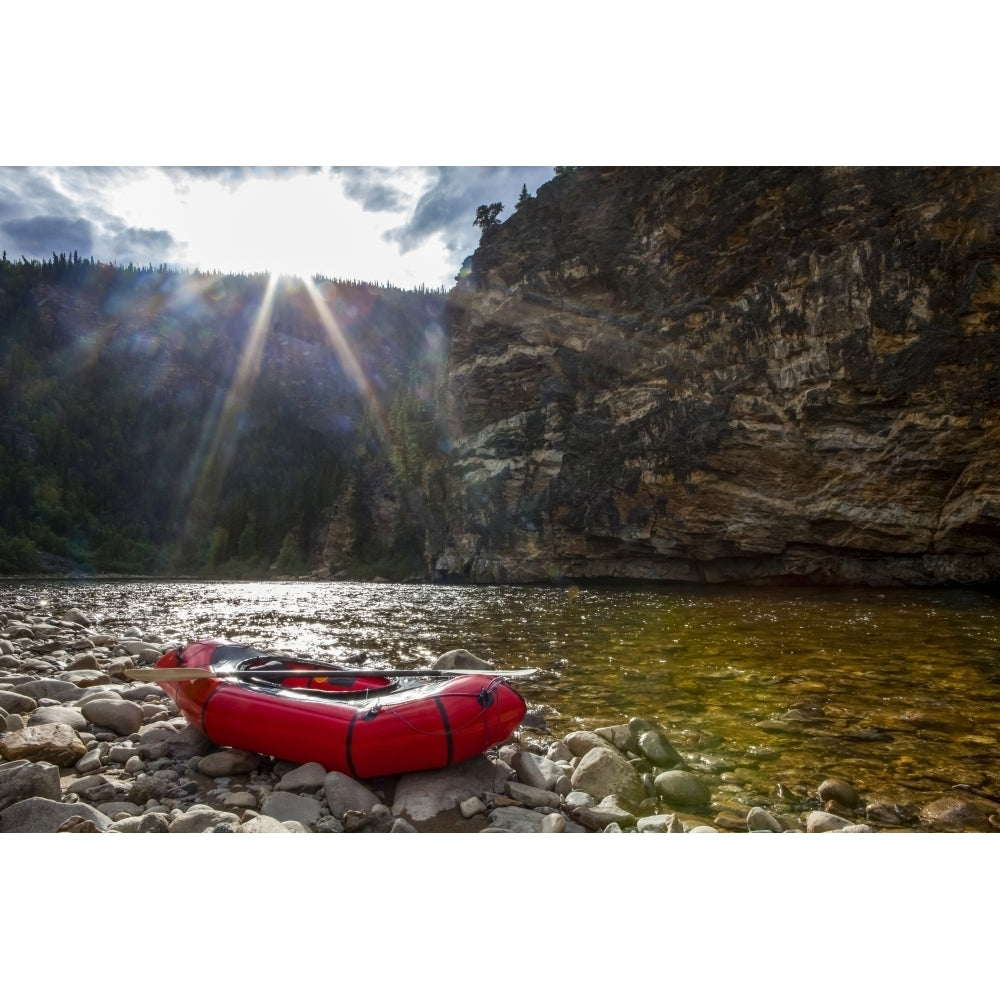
(346, 356)
(345, 353)
(207, 469)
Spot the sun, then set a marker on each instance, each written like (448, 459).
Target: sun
(296, 223)
(258, 226)
(298, 226)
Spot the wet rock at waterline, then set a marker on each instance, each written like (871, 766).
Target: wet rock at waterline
(603, 771)
(83, 749)
(839, 791)
(679, 788)
(656, 749)
(951, 813)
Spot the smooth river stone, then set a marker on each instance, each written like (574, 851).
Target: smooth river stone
(819, 821)
(58, 713)
(840, 791)
(224, 763)
(761, 819)
(654, 747)
(48, 688)
(121, 717)
(345, 794)
(306, 778)
(12, 701)
(285, 806)
(200, 818)
(680, 788)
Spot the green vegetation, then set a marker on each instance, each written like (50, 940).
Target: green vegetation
(146, 429)
(488, 217)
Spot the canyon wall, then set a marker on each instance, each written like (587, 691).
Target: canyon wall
(730, 374)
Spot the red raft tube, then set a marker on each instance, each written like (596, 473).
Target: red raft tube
(365, 726)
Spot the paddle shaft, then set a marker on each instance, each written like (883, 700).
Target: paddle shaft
(194, 673)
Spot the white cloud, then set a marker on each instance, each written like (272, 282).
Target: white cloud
(406, 226)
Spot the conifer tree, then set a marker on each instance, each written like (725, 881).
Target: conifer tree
(486, 216)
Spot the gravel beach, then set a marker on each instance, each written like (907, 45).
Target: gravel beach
(83, 749)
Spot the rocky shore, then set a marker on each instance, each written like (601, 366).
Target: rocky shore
(83, 749)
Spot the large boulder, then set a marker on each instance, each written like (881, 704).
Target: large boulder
(345, 794)
(421, 795)
(603, 771)
(53, 742)
(285, 806)
(22, 779)
(41, 815)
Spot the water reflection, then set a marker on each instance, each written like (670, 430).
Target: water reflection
(896, 691)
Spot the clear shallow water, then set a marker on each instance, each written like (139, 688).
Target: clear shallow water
(897, 691)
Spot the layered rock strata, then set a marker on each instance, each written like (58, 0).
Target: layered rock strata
(731, 375)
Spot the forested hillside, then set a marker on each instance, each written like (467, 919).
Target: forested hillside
(154, 421)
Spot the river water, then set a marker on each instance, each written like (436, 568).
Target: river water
(897, 691)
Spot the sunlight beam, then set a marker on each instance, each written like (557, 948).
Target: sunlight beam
(349, 362)
(210, 461)
(345, 354)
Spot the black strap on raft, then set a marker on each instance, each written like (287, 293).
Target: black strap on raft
(449, 743)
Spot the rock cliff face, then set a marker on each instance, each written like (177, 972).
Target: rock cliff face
(731, 375)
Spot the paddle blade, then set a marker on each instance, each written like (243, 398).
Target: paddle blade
(167, 674)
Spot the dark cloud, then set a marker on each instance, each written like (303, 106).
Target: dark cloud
(144, 245)
(55, 209)
(41, 235)
(22, 187)
(372, 187)
(62, 209)
(233, 177)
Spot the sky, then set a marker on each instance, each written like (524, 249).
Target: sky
(385, 84)
(406, 226)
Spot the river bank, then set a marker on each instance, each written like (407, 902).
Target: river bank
(85, 749)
